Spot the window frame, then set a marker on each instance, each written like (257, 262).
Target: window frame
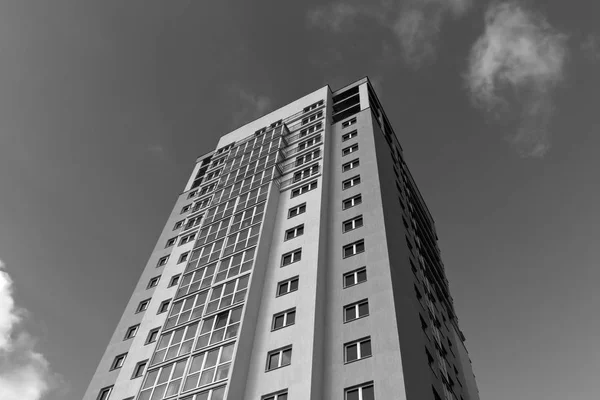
(164, 306)
(354, 222)
(171, 242)
(352, 182)
(162, 261)
(153, 282)
(131, 332)
(356, 305)
(136, 370)
(285, 315)
(298, 208)
(307, 187)
(275, 395)
(183, 257)
(104, 393)
(174, 281)
(354, 246)
(118, 361)
(352, 200)
(142, 308)
(349, 122)
(280, 352)
(294, 231)
(149, 338)
(360, 389)
(353, 148)
(354, 273)
(288, 283)
(359, 344)
(349, 135)
(351, 165)
(295, 256)
(178, 224)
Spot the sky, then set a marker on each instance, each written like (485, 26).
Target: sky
(104, 106)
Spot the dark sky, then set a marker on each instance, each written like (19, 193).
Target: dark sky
(104, 106)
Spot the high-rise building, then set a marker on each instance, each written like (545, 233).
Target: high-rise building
(299, 263)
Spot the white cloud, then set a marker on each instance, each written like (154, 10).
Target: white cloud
(24, 373)
(415, 23)
(516, 64)
(251, 106)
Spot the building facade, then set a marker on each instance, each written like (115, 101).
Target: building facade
(299, 263)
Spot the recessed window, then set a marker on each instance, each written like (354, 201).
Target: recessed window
(131, 331)
(279, 358)
(349, 135)
(299, 209)
(281, 395)
(294, 232)
(350, 165)
(171, 242)
(178, 225)
(312, 118)
(350, 149)
(183, 257)
(185, 208)
(291, 257)
(306, 173)
(355, 277)
(287, 286)
(162, 261)
(192, 194)
(361, 392)
(118, 361)
(283, 319)
(153, 282)
(352, 224)
(187, 239)
(104, 393)
(304, 188)
(354, 248)
(310, 108)
(346, 124)
(164, 306)
(357, 350)
(139, 369)
(174, 280)
(348, 183)
(143, 306)
(351, 202)
(152, 335)
(313, 155)
(312, 129)
(356, 310)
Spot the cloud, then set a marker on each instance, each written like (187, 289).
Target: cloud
(591, 47)
(24, 373)
(251, 106)
(516, 65)
(415, 23)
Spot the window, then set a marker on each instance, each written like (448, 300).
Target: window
(349, 135)
(104, 393)
(306, 173)
(170, 380)
(185, 208)
(187, 239)
(348, 123)
(356, 310)
(357, 350)
(282, 395)
(294, 211)
(192, 194)
(312, 118)
(143, 306)
(153, 282)
(279, 358)
(131, 331)
(164, 306)
(118, 361)
(313, 106)
(291, 257)
(287, 286)
(208, 367)
(307, 157)
(351, 202)
(361, 392)
(283, 319)
(152, 336)
(348, 183)
(352, 224)
(227, 294)
(219, 327)
(350, 165)
(350, 149)
(174, 280)
(212, 394)
(139, 369)
(183, 257)
(309, 142)
(171, 242)
(294, 232)
(355, 277)
(162, 261)
(173, 344)
(353, 249)
(193, 222)
(304, 188)
(178, 225)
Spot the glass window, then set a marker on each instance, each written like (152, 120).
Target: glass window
(356, 310)
(279, 358)
(355, 277)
